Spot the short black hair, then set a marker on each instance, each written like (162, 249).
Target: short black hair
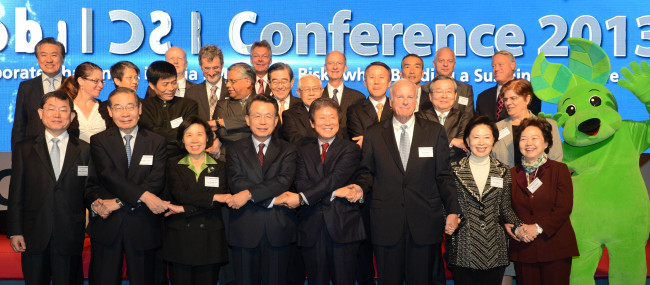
(119, 90)
(280, 66)
(412, 55)
(540, 123)
(321, 103)
(377, 63)
(188, 122)
(52, 41)
(480, 120)
(117, 70)
(58, 94)
(160, 70)
(261, 98)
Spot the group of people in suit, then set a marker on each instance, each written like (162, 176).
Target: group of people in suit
(239, 181)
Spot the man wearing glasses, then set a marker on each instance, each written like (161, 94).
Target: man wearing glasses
(281, 76)
(261, 58)
(336, 66)
(296, 127)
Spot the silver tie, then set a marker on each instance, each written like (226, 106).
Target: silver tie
(442, 119)
(127, 138)
(51, 88)
(55, 156)
(404, 146)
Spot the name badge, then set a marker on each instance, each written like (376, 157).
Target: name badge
(82, 170)
(463, 100)
(504, 132)
(535, 185)
(496, 182)
(146, 160)
(211, 181)
(176, 122)
(425, 151)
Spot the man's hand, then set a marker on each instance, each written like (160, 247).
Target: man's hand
(292, 200)
(221, 198)
(221, 123)
(18, 243)
(351, 192)
(213, 125)
(452, 223)
(239, 200)
(155, 204)
(459, 144)
(174, 209)
(509, 228)
(358, 140)
(527, 233)
(107, 207)
(281, 199)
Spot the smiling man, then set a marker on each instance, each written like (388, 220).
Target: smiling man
(336, 66)
(261, 58)
(126, 74)
(296, 128)
(163, 113)
(413, 70)
(444, 63)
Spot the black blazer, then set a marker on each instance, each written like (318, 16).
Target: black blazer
(28, 101)
(73, 129)
(363, 115)
(454, 127)
(464, 90)
(348, 98)
(296, 128)
(293, 100)
(486, 104)
(197, 236)
(157, 116)
(418, 195)
(151, 93)
(317, 181)
(255, 221)
(118, 180)
(199, 94)
(41, 207)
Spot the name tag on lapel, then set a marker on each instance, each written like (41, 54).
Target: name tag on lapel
(496, 182)
(176, 122)
(82, 170)
(211, 181)
(463, 100)
(504, 132)
(534, 185)
(146, 160)
(425, 151)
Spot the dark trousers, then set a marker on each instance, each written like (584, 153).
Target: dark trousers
(226, 272)
(330, 259)
(409, 262)
(106, 262)
(181, 274)
(64, 269)
(365, 256)
(469, 276)
(297, 271)
(264, 264)
(160, 270)
(553, 272)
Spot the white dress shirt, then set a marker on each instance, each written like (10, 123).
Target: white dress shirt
(339, 94)
(375, 102)
(134, 133)
(397, 127)
(46, 83)
(180, 89)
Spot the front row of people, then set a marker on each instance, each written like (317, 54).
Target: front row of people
(402, 173)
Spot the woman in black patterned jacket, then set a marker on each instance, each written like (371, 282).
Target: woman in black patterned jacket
(479, 249)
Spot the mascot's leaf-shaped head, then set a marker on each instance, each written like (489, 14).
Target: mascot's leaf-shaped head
(586, 108)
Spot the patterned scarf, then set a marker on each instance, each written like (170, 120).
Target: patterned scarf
(530, 168)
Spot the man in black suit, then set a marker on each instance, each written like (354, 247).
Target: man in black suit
(50, 55)
(212, 89)
(444, 112)
(296, 128)
(260, 168)
(178, 58)
(46, 211)
(330, 224)
(406, 162)
(163, 113)
(413, 70)
(336, 66)
(281, 77)
(261, 58)
(444, 63)
(230, 112)
(488, 102)
(125, 74)
(130, 164)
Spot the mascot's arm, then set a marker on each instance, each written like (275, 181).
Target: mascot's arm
(563, 203)
(637, 81)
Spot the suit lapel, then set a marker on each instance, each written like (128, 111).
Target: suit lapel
(271, 154)
(418, 137)
(389, 139)
(370, 110)
(304, 115)
(387, 112)
(332, 151)
(40, 147)
(39, 87)
(494, 172)
(250, 155)
(71, 153)
(464, 175)
(138, 151)
(452, 118)
(203, 98)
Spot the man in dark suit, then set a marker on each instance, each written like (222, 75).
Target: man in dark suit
(212, 89)
(296, 128)
(46, 211)
(443, 95)
(406, 161)
(230, 112)
(125, 74)
(444, 63)
(260, 168)
(330, 224)
(50, 55)
(336, 66)
(488, 102)
(281, 77)
(178, 58)
(131, 166)
(413, 70)
(261, 58)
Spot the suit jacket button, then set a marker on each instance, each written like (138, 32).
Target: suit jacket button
(202, 226)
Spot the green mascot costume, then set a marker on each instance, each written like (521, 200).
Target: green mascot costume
(611, 206)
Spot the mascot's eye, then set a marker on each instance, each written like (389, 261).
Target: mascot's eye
(595, 101)
(571, 109)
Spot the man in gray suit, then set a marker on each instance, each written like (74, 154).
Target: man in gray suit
(230, 112)
(444, 62)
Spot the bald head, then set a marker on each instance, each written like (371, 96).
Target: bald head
(335, 65)
(178, 58)
(444, 62)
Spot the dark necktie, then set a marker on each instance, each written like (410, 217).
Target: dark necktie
(260, 154)
(499, 107)
(334, 97)
(213, 99)
(261, 90)
(322, 154)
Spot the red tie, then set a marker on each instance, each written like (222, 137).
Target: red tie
(499, 107)
(261, 91)
(260, 154)
(322, 154)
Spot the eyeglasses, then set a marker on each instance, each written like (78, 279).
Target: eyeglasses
(335, 63)
(119, 109)
(233, 81)
(308, 90)
(440, 92)
(96, 81)
(280, 82)
(50, 110)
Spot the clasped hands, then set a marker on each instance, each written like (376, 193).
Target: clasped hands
(525, 233)
(104, 207)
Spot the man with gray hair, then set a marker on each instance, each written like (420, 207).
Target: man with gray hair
(444, 63)
(296, 127)
(230, 112)
(488, 102)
